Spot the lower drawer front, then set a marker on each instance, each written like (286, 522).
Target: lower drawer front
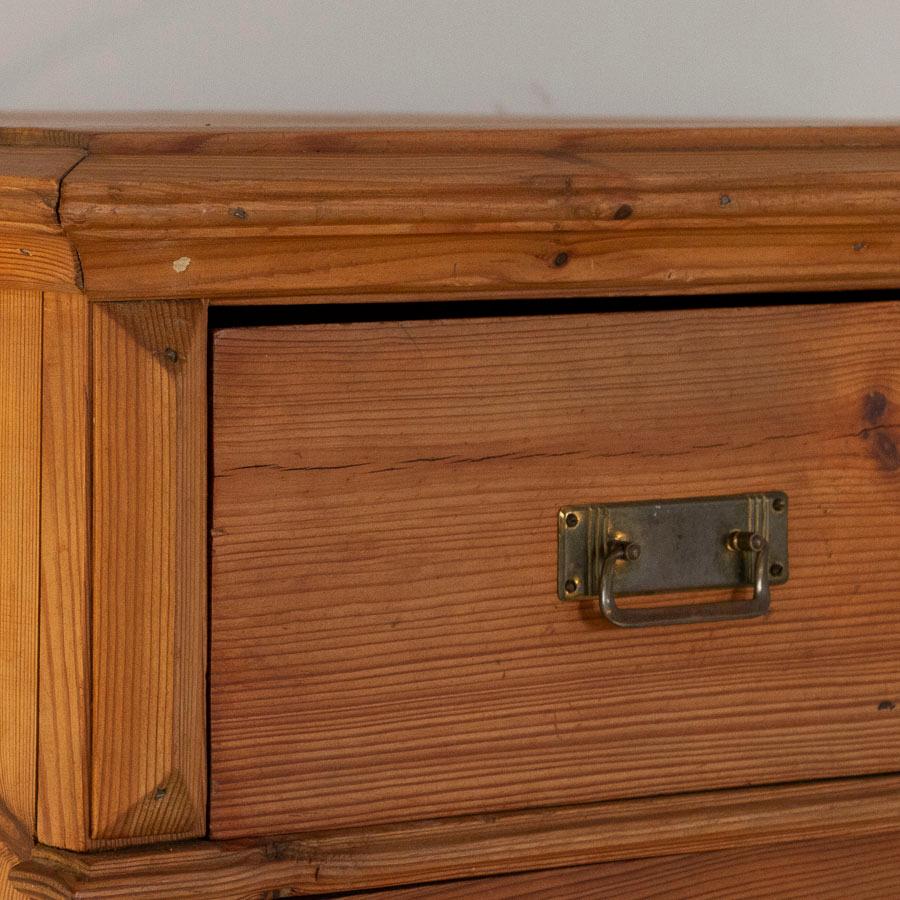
(862, 868)
(387, 642)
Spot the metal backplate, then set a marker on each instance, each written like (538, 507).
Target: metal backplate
(684, 543)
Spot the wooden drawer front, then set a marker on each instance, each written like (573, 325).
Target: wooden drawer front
(387, 643)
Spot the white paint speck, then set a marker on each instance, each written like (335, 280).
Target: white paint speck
(181, 263)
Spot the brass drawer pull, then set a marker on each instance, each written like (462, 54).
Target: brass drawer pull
(671, 545)
(692, 612)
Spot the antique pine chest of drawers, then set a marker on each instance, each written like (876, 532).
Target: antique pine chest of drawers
(450, 512)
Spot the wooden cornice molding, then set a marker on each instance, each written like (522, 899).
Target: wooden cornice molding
(30, 179)
(34, 252)
(331, 214)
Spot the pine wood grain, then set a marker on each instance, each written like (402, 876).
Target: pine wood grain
(149, 133)
(29, 133)
(692, 260)
(402, 214)
(865, 869)
(462, 135)
(37, 260)
(33, 251)
(16, 845)
(29, 184)
(473, 846)
(149, 570)
(20, 493)
(386, 639)
(386, 217)
(16, 838)
(65, 676)
(332, 192)
(7, 861)
(156, 133)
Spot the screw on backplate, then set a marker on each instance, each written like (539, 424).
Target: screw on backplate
(571, 520)
(622, 549)
(171, 355)
(776, 570)
(632, 552)
(779, 504)
(571, 586)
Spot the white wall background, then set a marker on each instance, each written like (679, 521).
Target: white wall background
(726, 59)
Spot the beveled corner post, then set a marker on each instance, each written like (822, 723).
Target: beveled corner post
(122, 737)
(34, 256)
(20, 441)
(103, 596)
(148, 561)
